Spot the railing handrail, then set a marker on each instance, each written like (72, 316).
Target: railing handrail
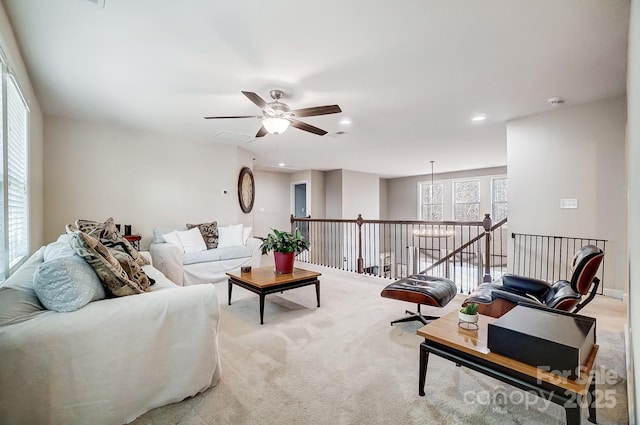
(513, 236)
(453, 253)
(362, 220)
(359, 222)
(462, 247)
(499, 224)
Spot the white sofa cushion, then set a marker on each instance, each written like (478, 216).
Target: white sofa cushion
(18, 299)
(172, 237)
(217, 254)
(159, 231)
(246, 233)
(67, 283)
(192, 240)
(230, 236)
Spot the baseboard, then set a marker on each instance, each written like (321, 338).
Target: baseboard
(630, 378)
(614, 293)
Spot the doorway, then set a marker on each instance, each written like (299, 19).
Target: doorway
(300, 207)
(300, 200)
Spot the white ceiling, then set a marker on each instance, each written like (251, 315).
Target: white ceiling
(410, 74)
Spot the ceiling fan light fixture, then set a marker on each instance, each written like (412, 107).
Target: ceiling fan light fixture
(275, 125)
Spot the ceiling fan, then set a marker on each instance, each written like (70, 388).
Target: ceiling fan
(277, 116)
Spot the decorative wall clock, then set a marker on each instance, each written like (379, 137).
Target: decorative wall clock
(246, 190)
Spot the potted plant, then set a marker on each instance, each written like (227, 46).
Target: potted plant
(468, 316)
(285, 246)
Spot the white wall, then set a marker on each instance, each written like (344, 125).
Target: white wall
(384, 199)
(360, 195)
(95, 171)
(633, 180)
(14, 59)
(272, 206)
(572, 152)
(274, 200)
(333, 194)
(402, 193)
(318, 204)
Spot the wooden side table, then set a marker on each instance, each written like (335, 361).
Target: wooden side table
(134, 240)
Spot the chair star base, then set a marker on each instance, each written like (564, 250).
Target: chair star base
(423, 290)
(415, 317)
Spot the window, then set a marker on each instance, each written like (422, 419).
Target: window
(14, 211)
(499, 199)
(466, 200)
(431, 201)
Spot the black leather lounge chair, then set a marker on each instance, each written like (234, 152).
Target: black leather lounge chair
(496, 298)
(422, 290)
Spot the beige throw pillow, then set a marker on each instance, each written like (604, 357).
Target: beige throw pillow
(108, 235)
(114, 278)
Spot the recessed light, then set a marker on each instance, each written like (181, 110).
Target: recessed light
(479, 118)
(345, 121)
(281, 164)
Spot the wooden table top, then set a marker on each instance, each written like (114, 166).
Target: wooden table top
(262, 277)
(446, 331)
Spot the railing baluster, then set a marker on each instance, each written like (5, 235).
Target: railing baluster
(393, 249)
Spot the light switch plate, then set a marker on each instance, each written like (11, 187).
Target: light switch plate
(568, 203)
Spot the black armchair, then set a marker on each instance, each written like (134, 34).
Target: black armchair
(496, 298)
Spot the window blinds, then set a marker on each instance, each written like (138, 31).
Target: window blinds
(17, 193)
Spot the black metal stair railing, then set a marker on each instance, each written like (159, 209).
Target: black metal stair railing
(549, 258)
(466, 252)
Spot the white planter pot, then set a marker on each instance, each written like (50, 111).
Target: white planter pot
(469, 318)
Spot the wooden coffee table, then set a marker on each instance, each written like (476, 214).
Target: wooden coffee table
(444, 338)
(264, 281)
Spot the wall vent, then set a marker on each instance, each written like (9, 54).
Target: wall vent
(231, 137)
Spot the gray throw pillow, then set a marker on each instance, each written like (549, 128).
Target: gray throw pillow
(67, 284)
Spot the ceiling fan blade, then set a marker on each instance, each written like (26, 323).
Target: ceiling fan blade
(234, 116)
(317, 110)
(262, 104)
(262, 132)
(306, 127)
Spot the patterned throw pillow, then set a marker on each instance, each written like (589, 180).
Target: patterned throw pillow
(108, 235)
(106, 266)
(132, 269)
(209, 233)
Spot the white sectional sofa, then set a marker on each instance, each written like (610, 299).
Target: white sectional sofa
(205, 266)
(109, 361)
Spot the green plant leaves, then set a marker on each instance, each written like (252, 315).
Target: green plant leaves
(281, 241)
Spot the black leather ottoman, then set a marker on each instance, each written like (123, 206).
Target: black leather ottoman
(423, 290)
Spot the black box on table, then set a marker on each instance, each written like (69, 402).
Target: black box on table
(553, 340)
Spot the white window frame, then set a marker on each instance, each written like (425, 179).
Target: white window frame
(453, 198)
(15, 226)
(493, 198)
(421, 200)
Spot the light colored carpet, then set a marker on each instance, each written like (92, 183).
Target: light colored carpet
(343, 363)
